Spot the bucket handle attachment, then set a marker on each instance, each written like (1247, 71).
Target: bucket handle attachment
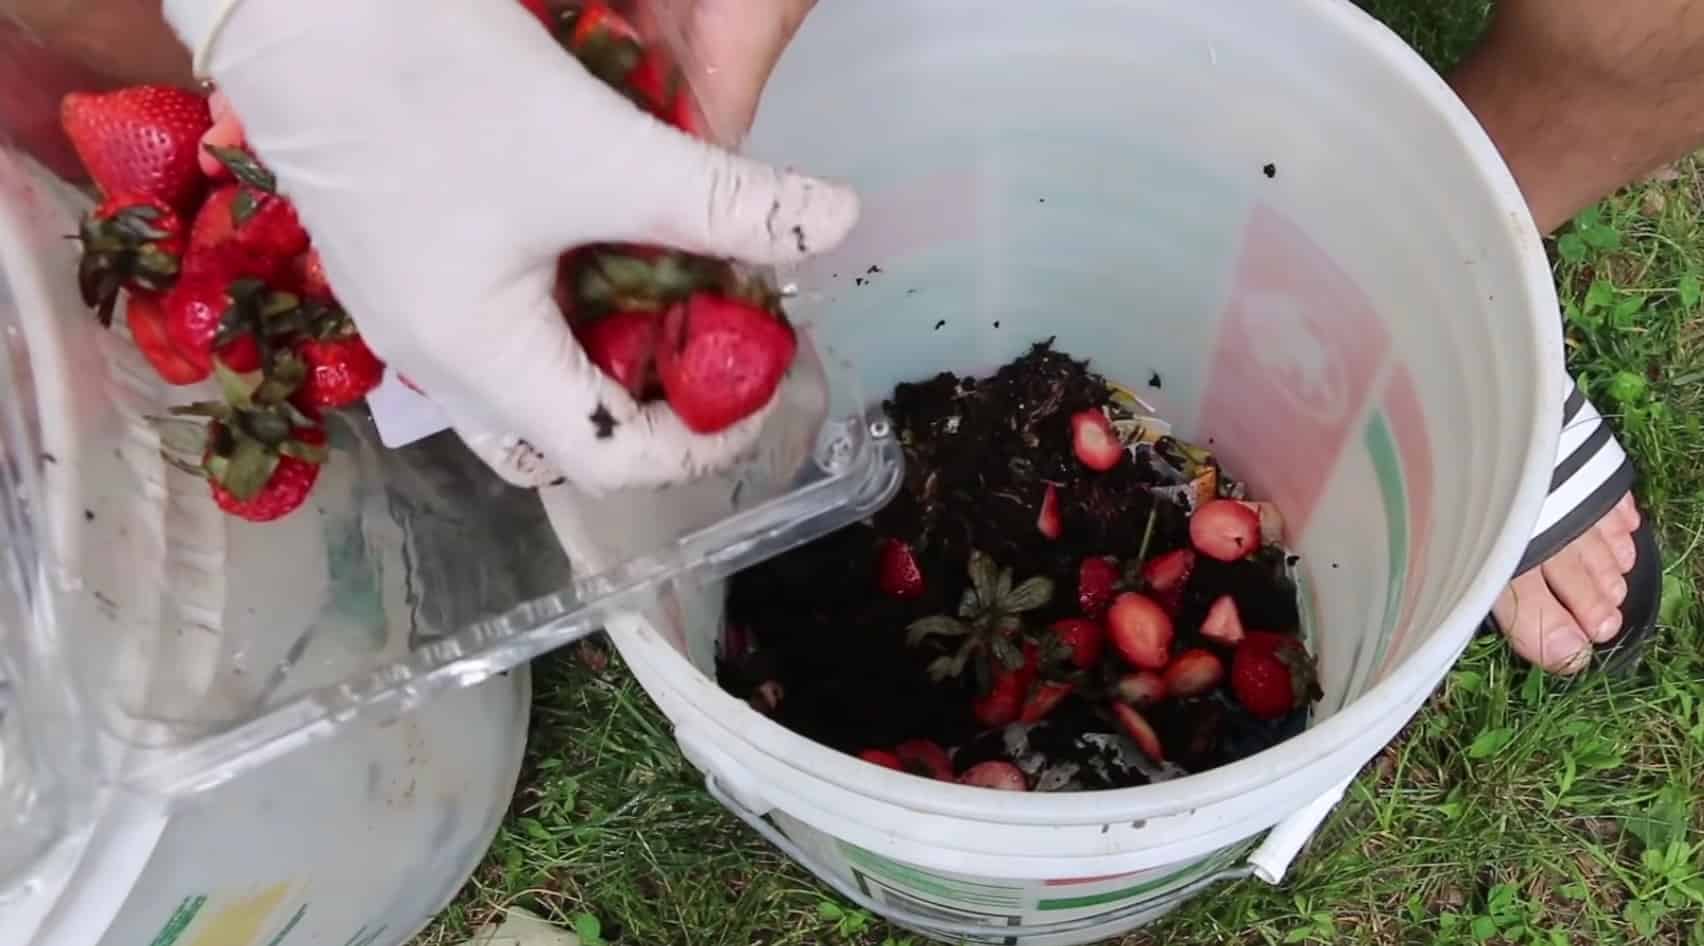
(917, 921)
(1272, 859)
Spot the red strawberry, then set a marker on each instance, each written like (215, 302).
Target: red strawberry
(1003, 776)
(1142, 688)
(1004, 701)
(1140, 630)
(307, 277)
(128, 241)
(1225, 529)
(1194, 672)
(1094, 441)
(1168, 574)
(623, 345)
(1095, 579)
(1136, 726)
(141, 141)
(883, 758)
(597, 21)
(1083, 638)
(259, 223)
(1272, 675)
(147, 320)
(203, 316)
(720, 360)
(1047, 521)
(650, 81)
(341, 370)
(925, 758)
(1223, 624)
(1044, 699)
(284, 489)
(897, 574)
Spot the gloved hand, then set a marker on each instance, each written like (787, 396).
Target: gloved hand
(443, 153)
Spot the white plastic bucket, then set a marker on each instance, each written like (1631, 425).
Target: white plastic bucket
(1284, 221)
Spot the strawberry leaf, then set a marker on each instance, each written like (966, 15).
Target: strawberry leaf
(969, 605)
(244, 207)
(305, 452)
(1032, 594)
(984, 577)
(1008, 653)
(251, 465)
(245, 168)
(1003, 585)
(937, 626)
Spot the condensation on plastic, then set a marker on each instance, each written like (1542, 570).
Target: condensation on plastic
(153, 644)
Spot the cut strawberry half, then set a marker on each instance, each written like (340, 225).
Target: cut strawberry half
(883, 758)
(1082, 638)
(1094, 442)
(1140, 630)
(1193, 673)
(721, 360)
(1136, 726)
(1002, 776)
(1096, 577)
(1168, 574)
(1004, 701)
(897, 573)
(1223, 623)
(624, 346)
(1143, 688)
(1043, 700)
(925, 758)
(1047, 521)
(1225, 529)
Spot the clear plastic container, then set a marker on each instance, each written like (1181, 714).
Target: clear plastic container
(153, 644)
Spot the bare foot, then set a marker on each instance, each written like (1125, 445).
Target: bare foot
(1553, 614)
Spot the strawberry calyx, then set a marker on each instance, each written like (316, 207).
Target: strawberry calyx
(255, 427)
(989, 624)
(138, 243)
(246, 168)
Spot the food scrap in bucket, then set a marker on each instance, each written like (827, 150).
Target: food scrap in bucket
(221, 280)
(1062, 597)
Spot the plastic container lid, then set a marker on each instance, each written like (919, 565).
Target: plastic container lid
(153, 644)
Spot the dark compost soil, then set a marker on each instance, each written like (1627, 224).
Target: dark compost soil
(979, 455)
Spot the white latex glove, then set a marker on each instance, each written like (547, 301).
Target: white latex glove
(443, 153)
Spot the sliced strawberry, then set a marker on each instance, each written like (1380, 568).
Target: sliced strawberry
(925, 758)
(1094, 441)
(147, 320)
(721, 360)
(1043, 699)
(1225, 529)
(1223, 624)
(1142, 688)
(1194, 672)
(1003, 776)
(1047, 521)
(1167, 575)
(1004, 701)
(883, 758)
(897, 573)
(1095, 579)
(624, 346)
(1140, 630)
(1083, 638)
(1136, 726)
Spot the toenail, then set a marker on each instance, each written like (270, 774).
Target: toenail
(1618, 589)
(1608, 626)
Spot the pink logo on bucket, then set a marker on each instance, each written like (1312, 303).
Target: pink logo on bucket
(1298, 349)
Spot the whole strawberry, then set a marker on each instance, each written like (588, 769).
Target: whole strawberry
(721, 359)
(263, 454)
(254, 221)
(146, 318)
(288, 481)
(219, 307)
(1272, 675)
(141, 141)
(341, 370)
(128, 241)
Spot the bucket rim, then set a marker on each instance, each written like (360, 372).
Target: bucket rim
(1538, 305)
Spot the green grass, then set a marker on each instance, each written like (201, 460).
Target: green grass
(1514, 809)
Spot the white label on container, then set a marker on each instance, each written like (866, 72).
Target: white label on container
(402, 414)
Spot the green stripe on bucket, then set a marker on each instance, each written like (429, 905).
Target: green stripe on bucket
(945, 888)
(1387, 466)
(1194, 871)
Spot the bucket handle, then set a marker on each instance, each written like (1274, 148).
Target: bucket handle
(918, 921)
(1272, 859)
